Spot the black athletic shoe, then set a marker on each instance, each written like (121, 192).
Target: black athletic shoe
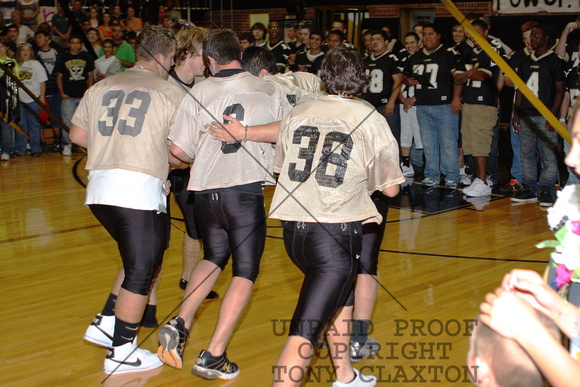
(525, 196)
(211, 296)
(510, 188)
(359, 351)
(546, 198)
(172, 339)
(182, 284)
(211, 367)
(56, 147)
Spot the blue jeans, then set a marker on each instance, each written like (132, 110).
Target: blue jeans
(492, 159)
(67, 109)
(533, 130)
(55, 102)
(7, 136)
(516, 170)
(439, 135)
(394, 121)
(30, 124)
(573, 178)
(416, 156)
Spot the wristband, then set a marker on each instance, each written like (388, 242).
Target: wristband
(562, 119)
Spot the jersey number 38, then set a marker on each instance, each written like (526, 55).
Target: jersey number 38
(329, 156)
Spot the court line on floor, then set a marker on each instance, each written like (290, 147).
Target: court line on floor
(51, 233)
(446, 255)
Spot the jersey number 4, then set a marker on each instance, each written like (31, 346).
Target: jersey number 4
(113, 100)
(340, 160)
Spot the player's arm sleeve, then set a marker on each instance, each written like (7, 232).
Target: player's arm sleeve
(383, 168)
(280, 147)
(79, 131)
(183, 131)
(81, 115)
(285, 106)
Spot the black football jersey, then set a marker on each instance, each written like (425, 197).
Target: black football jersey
(434, 72)
(516, 59)
(572, 81)
(479, 92)
(541, 74)
(311, 62)
(281, 52)
(380, 70)
(572, 51)
(406, 91)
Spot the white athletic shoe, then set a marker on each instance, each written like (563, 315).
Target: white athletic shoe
(478, 188)
(67, 150)
(427, 182)
(101, 330)
(360, 380)
(408, 171)
(130, 358)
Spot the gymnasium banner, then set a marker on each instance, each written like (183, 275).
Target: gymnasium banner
(536, 6)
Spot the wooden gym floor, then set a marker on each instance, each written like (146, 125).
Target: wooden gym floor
(440, 255)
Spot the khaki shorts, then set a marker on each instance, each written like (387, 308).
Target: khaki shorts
(477, 123)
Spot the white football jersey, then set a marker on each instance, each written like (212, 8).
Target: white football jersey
(332, 153)
(295, 86)
(127, 117)
(218, 164)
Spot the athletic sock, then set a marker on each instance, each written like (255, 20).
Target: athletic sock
(406, 161)
(109, 309)
(360, 331)
(124, 332)
(149, 319)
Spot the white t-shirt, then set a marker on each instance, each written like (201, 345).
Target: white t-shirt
(32, 74)
(127, 189)
(103, 65)
(24, 33)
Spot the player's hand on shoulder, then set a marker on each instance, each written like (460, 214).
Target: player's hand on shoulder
(228, 132)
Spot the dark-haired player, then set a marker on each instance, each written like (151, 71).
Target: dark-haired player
(277, 46)
(385, 81)
(331, 152)
(543, 72)
(438, 104)
(410, 132)
(310, 60)
(227, 182)
(515, 59)
(123, 121)
(335, 38)
(479, 75)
